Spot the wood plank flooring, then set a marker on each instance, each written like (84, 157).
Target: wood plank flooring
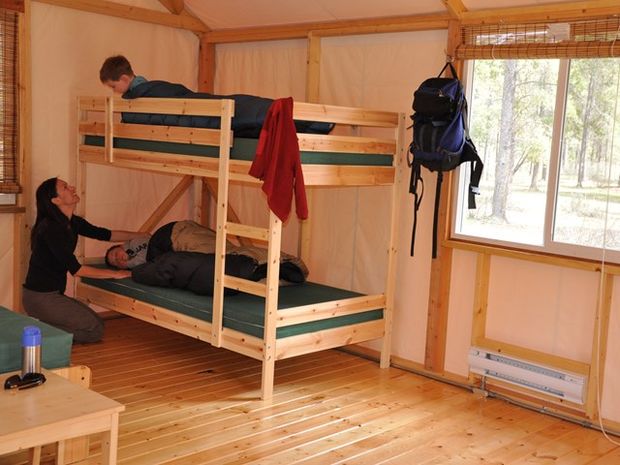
(188, 403)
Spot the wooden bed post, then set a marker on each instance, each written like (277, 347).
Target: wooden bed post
(398, 163)
(271, 305)
(222, 210)
(109, 129)
(80, 186)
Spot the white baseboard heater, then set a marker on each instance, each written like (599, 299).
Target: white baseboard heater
(550, 381)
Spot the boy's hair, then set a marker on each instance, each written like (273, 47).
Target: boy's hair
(107, 259)
(114, 67)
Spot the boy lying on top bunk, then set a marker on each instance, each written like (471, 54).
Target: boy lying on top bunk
(181, 254)
(250, 111)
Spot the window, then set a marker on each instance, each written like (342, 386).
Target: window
(9, 104)
(548, 131)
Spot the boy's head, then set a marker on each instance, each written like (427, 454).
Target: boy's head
(116, 257)
(116, 73)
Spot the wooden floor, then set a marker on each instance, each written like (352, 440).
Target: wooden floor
(188, 404)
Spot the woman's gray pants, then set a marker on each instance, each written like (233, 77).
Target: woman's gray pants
(64, 313)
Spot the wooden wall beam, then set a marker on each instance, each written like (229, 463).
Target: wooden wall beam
(175, 7)
(552, 12)
(331, 28)
(206, 66)
(455, 8)
(600, 339)
(441, 267)
(159, 213)
(105, 7)
(21, 219)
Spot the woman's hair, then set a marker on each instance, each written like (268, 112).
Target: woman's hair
(114, 67)
(46, 210)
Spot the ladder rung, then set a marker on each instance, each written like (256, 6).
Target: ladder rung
(242, 230)
(245, 285)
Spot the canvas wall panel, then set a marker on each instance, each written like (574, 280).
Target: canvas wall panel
(68, 47)
(350, 226)
(542, 307)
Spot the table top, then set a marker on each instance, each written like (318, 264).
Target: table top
(55, 401)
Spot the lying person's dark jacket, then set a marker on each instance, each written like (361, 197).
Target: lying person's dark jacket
(193, 271)
(249, 116)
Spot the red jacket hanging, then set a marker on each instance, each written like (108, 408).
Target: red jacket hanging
(278, 162)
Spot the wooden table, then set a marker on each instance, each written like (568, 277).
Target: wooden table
(53, 412)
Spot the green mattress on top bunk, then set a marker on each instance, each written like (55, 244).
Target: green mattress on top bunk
(242, 312)
(242, 149)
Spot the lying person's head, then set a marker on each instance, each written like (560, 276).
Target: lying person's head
(117, 257)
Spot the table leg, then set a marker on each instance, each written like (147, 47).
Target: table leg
(109, 442)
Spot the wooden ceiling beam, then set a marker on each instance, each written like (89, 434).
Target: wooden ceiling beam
(105, 7)
(554, 12)
(331, 28)
(175, 7)
(455, 8)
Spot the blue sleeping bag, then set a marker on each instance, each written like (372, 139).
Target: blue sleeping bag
(249, 116)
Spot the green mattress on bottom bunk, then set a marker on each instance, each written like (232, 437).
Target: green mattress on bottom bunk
(242, 312)
(242, 149)
(55, 343)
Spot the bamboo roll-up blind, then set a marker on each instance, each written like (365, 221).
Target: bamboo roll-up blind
(8, 102)
(594, 38)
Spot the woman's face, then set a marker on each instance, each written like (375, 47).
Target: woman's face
(65, 194)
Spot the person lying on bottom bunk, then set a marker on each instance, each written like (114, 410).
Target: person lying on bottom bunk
(175, 249)
(53, 240)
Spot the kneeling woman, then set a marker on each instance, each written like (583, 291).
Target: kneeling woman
(53, 240)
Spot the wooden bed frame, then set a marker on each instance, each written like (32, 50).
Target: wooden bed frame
(99, 116)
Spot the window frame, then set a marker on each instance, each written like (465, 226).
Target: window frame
(549, 245)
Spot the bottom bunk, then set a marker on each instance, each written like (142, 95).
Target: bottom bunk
(310, 317)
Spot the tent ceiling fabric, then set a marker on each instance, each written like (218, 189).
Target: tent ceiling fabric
(217, 14)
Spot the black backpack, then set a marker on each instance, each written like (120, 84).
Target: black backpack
(440, 140)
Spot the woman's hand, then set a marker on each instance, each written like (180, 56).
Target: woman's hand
(87, 271)
(120, 274)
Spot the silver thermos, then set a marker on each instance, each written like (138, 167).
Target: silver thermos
(31, 350)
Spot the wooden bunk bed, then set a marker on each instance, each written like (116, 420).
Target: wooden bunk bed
(264, 321)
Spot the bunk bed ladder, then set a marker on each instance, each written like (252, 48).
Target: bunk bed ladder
(272, 235)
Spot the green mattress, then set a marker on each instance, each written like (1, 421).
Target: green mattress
(55, 343)
(242, 149)
(242, 312)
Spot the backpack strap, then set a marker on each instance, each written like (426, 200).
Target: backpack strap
(436, 212)
(452, 70)
(475, 172)
(470, 154)
(416, 179)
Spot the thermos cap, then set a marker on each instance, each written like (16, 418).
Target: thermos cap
(31, 336)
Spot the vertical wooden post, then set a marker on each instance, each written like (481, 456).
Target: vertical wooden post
(441, 267)
(271, 306)
(599, 345)
(313, 81)
(109, 129)
(21, 222)
(398, 163)
(222, 210)
(206, 66)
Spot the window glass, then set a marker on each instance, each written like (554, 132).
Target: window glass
(588, 200)
(511, 109)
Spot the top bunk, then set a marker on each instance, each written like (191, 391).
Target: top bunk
(327, 159)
